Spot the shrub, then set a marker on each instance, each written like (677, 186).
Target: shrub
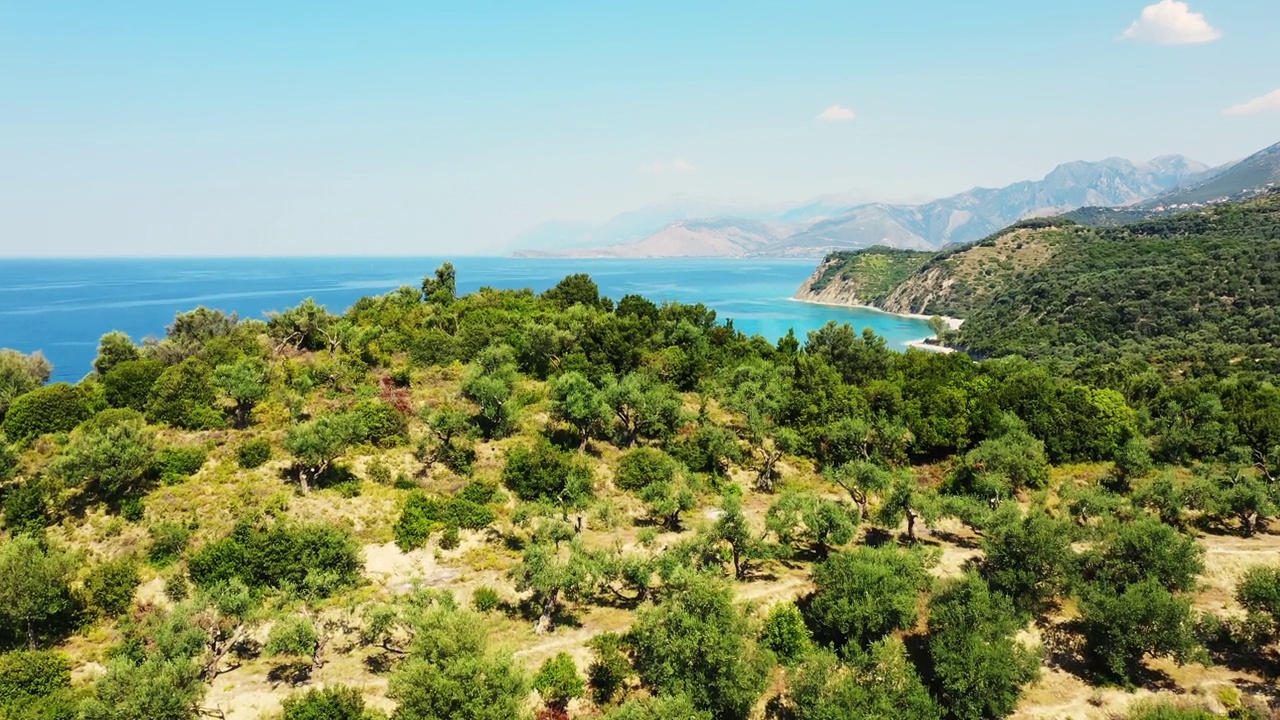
(295, 636)
(379, 472)
(110, 457)
(168, 542)
(383, 425)
(176, 587)
(864, 594)
(133, 509)
(609, 667)
(424, 514)
(25, 507)
(28, 675)
(49, 409)
(183, 396)
(543, 472)
(784, 633)
(643, 467)
(177, 463)
(128, 384)
(331, 703)
(277, 555)
(109, 588)
(253, 453)
(558, 681)
(485, 599)
(449, 539)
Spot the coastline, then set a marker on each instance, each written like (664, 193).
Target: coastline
(953, 323)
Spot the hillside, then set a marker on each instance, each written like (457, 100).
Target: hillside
(560, 506)
(1168, 287)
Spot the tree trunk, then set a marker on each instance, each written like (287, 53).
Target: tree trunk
(911, 525)
(1249, 523)
(548, 610)
(303, 483)
(31, 634)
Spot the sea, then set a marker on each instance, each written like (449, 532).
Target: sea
(61, 307)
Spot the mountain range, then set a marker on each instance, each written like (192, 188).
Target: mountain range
(685, 227)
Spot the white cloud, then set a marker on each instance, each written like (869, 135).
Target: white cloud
(1269, 103)
(1170, 22)
(679, 165)
(836, 113)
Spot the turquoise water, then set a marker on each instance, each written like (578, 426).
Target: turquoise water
(62, 307)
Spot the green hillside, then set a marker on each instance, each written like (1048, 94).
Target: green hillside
(871, 273)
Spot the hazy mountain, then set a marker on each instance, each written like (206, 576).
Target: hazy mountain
(1233, 182)
(717, 237)
(972, 215)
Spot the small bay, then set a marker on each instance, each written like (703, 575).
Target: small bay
(62, 306)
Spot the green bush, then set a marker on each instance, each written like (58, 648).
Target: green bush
(292, 635)
(174, 464)
(449, 539)
(383, 425)
(378, 472)
(542, 472)
(50, 409)
(558, 681)
(485, 599)
(784, 633)
(128, 384)
(183, 396)
(133, 509)
(337, 702)
(424, 514)
(109, 587)
(8, 461)
(253, 453)
(168, 542)
(277, 555)
(25, 507)
(609, 667)
(28, 675)
(643, 467)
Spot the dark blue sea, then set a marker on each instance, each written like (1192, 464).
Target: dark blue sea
(62, 307)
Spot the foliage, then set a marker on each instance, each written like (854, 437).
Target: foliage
(109, 459)
(29, 675)
(695, 642)
(784, 633)
(20, 374)
(540, 471)
(292, 636)
(253, 453)
(168, 542)
(879, 684)
(155, 689)
(319, 443)
(183, 396)
(128, 384)
(335, 702)
(176, 463)
(313, 557)
(577, 402)
(48, 409)
(422, 515)
(244, 383)
(1121, 625)
(109, 587)
(609, 667)
(980, 668)
(33, 585)
(558, 681)
(662, 707)
(485, 599)
(1028, 558)
(863, 594)
(1144, 549)
(640, 467)
(490, 383)
(804, 518)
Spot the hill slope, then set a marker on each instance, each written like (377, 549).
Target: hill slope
(1176, 287)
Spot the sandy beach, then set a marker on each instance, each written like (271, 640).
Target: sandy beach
(952, 322)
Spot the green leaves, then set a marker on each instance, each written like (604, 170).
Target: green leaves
(864, 594)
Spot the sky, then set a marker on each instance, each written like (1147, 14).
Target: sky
(143, 128)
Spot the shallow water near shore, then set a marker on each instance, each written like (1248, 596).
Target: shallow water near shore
(62, 307)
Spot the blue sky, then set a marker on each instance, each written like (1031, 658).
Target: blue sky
(163, 128)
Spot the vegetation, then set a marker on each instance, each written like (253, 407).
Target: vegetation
(645, 513)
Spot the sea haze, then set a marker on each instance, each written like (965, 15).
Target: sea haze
(62, 307)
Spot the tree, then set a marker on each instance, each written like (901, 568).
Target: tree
(50, 409)
(319, 443)
(309, 326)
(861, 595)
(543, 472)
(802, 517)
(245, 384)
(110, 586)
(114, 348)
(296, 636)
(183, 396)
(33, 584)
(906, 499)
(337, 702)
(577, 289)
(879, 684)
(443, 288)
(128, 384)
(667, 499)
(744, 545)
(979, 666)
(1123, 624)
(1028, 558)
(558, 681)
(20, 374)
(1000, 466)
(695, 642)
(452, 429)
(1144, 549)
(490, 383)
(609, 667)
(643, 406)
(858, 359)
(154, 689)
(1244, 497)
(662, 707)
(784, 633)
(576, 401)
(861, 480)
(554, 577)
(109, 458)
(1259, 593)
